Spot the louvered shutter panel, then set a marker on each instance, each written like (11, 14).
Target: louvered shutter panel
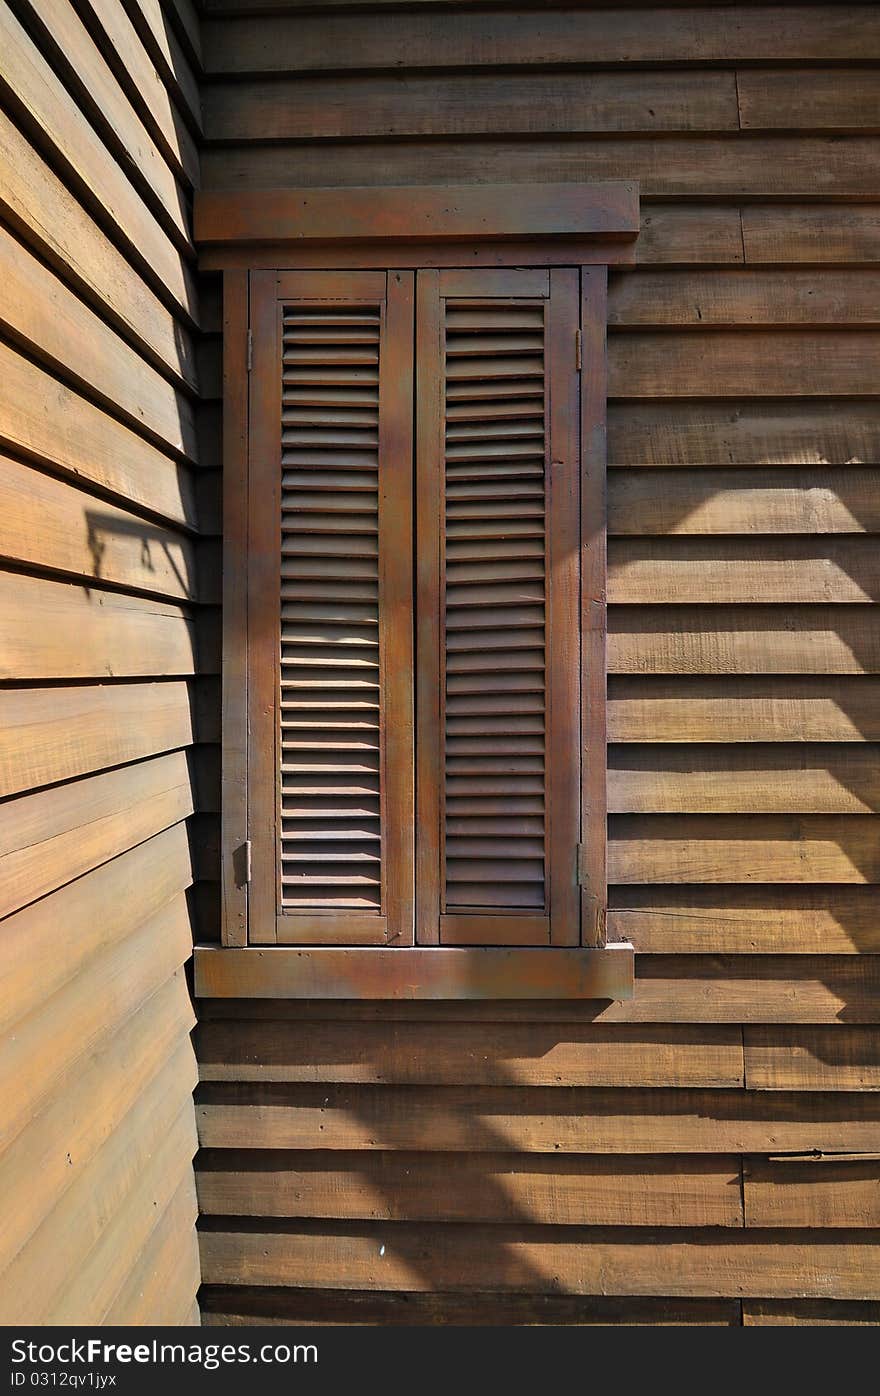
(498, 608)
(330, 608)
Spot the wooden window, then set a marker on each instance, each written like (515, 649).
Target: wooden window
(424, 572)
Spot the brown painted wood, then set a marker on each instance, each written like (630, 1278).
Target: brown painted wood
(802, 1194)
(153, 1040)
(432, 1053)
(781, 779)
(94, 447)
(234, 700)
(423, 973)
(47, 944)
(792, 919)
(680, 502)
(53, 734)
(768, 639)
(744, 432)
(42, 210)
(38, 310)
(725, 709)
(530, 1120)
(462, 104)
(50, 525)
(839, 1059)
(425, 1257)
(696, 1191)
(809, 233)
(779, 98)
(32, 85)
(815, 1313)
(742, 297)
(52, 836)
(702, 34)
(730, 166)
(466, 212)
(55, 629)
(228, 1306)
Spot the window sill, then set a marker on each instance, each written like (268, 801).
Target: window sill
(290, 972)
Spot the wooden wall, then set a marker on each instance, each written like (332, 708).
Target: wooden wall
(649, 1163)
(100, 584)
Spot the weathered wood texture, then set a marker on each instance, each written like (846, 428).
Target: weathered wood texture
(101, 587)
(743, 703)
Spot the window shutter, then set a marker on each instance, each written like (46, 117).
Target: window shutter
(330, 608)
(498, 566)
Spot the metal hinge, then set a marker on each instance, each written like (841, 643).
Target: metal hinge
(578, 350)
(250, 350)
(241, 864)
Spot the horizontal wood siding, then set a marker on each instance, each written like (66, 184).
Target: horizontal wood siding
(103, 584)
(628, 1163)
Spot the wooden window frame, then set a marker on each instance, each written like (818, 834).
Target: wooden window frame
(258, 240)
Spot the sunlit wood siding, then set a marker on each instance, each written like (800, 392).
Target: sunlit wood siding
(362, 1164)
(101, 586)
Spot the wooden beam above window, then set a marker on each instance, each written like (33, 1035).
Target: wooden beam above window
(420, 213)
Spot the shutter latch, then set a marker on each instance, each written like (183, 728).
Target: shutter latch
(241, 864)
(582, 874)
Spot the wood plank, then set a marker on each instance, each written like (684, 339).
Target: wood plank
(124, 50)
(52, 941)
(762, 363)
(743, 297)
(462, 212)
(465, 1054)
(33, 88)
(582, 1260)
(117, 1256)
(788, 500)
(792, 1193)
(50, 837)
(697, 1191)
(43, 212)
(780, 99)
(229, 1307)
(53, 526)
(37, 309)
(760, 848)
(742, 433)
(780, 779)
(742, 570)
(729, 166)
(743, 640)
(528, 1120)
(818, 233)
(764, 920)
(842, 1058)
(59, 630)
(42, 417)
(76, 59)
(815, 1313)
(53, 734)
(56, 1147)
(692, 233)
(461, 104)
(157, 32)
(49, 1044)
(780, 709)
(672, 988)
(699, 34)
(166, 1277)
(61, 1244)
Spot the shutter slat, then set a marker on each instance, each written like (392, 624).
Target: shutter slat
(494, 604)
(329, 531)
